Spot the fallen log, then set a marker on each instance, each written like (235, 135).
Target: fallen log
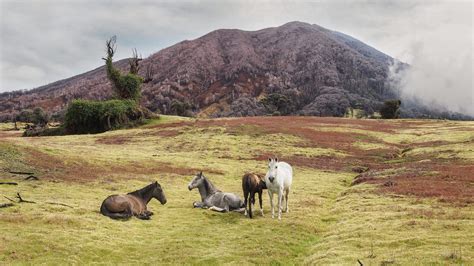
(32, 177)
(9, 183)
(20, 199)
(4, 205)
(9, 199)
(20, 173)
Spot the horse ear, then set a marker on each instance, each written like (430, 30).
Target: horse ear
(156, 183)
(200, 173)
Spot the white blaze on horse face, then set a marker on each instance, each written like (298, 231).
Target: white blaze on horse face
(272, 170)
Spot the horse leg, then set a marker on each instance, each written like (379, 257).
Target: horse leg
(143, 216)
(287, 191)
(260, 202)
(252, 202)
(217, 209)
(115, 215)
(149, 213)
(246, 195)
(280, 197)
(270, 195)
(198, 204)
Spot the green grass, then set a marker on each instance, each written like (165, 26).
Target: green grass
(330, 222)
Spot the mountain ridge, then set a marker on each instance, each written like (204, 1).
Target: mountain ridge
(228, 72)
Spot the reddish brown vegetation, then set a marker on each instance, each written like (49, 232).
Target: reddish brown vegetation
(52, 167)
(448, 180)
(422, 175)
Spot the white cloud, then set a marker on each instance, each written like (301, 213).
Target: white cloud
(440, 51)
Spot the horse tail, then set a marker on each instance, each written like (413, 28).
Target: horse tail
(113, 215)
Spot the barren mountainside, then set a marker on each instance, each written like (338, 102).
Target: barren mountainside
(302, 68)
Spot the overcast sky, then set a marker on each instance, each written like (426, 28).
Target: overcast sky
(44, 41)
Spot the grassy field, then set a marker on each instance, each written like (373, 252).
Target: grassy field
(412, 203)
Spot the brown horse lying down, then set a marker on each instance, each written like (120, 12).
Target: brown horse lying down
(251, 184)
(132, 204)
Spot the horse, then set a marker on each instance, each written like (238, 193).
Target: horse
(133, 203)
(251, 184)
(278, 180)
(213, 198)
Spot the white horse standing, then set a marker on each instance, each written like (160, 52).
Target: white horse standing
(278, 180)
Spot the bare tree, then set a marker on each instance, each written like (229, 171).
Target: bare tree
(133, 62)
(111, 47)
(150, 71)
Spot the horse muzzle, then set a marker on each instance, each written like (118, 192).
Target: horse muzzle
(190, 188)
(271, 178)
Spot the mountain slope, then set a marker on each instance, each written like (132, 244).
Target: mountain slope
(227, 73)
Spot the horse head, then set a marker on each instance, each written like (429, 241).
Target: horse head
(197, 181)
(272, 169)
(158, 193)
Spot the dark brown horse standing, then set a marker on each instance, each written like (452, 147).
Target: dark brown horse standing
(251, 184)
(133, 203)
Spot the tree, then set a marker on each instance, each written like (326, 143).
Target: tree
(277, 103)
(125, 86)
(83, 116)
(390, 109)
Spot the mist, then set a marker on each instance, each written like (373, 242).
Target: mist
(441, 61)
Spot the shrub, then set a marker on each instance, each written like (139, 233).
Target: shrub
(181, 108)
(84, 116)
(277, 103)
(327, 105)
(390, 109)
(37, 116)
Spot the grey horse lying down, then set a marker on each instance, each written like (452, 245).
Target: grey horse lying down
(213, 198)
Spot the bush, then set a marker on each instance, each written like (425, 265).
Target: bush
(181, 108)
(84, 116)
(390, 109)
(327, 105)
(38, 116)
(277, 103)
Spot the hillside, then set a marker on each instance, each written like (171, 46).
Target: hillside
(412, 203)
(227, 72)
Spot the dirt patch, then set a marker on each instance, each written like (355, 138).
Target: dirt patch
(160, 167)
(167, 133)
(52, 167)
(114, 140)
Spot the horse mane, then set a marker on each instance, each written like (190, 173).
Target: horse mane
(143, 191)
(210, 188)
